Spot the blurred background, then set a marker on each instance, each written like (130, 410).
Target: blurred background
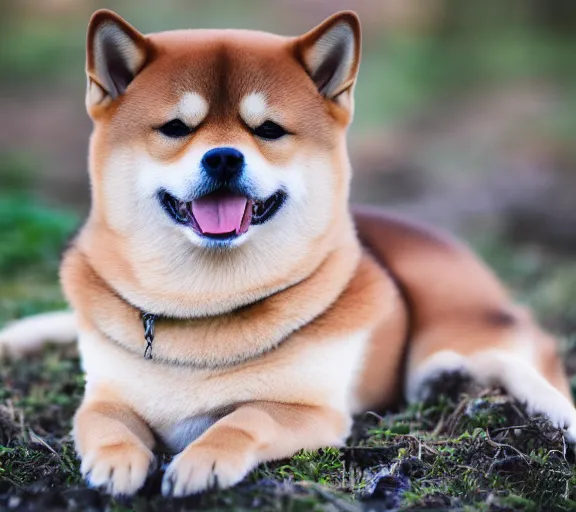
(466, 117)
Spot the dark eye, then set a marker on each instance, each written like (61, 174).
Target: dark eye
(175, 129)
(270, 130)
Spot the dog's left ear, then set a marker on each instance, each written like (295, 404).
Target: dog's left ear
(330, 53)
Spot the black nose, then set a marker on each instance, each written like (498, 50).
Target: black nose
(223, 163)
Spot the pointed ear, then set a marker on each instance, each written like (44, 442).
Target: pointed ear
(331, 53)
(115, 53)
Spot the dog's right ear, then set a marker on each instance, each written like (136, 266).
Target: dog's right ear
(115, 53)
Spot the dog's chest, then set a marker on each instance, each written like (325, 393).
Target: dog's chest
(180, 402)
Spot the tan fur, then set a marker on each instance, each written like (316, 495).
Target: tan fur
(269, 345)
(462, 318)
(253, 432)
(116, 444)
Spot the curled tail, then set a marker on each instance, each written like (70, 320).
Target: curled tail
(30, 334)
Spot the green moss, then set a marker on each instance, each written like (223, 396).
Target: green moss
(32, 236)
(323, 466)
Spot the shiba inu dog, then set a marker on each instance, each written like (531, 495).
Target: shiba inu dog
(229, 306)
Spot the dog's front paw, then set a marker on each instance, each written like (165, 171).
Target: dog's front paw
(199, 468)
(120, 469)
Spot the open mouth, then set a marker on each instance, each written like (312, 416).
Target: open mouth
(221, 214)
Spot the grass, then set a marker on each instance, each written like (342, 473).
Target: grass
(31, 240)
(460, 452)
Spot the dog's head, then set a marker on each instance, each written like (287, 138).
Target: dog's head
(221, 140)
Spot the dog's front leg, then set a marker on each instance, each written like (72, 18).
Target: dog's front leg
(253, 433)
(114, 443)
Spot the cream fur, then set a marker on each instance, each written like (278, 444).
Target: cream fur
(254, 109)
(290, 375)
(192, 107)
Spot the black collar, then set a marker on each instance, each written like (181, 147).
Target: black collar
(149, 322)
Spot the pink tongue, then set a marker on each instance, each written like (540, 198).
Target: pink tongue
(218, 214)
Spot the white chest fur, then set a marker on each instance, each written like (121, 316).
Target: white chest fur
(179, 402)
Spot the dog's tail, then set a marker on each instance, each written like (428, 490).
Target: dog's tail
(30, 334)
